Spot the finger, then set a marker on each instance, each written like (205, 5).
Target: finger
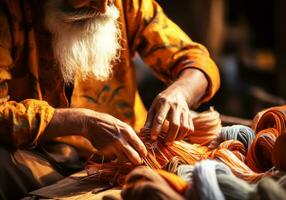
(130, 153)
(191, 123)
(184, 126)
(120, 157)
(174, 126)
(132, 138)
(150, 115)
(158, 120)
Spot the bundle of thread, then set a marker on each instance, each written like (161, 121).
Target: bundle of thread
(249, 156)
(279, 153)
(113, 173)
(232, 147)
(259, 157)
(158, 157)
(214, 180)
(274, 117)
(145, 183)
(207, 127)
(209, 179)
(241, 133)
(269, 125)
(264, 151)
(239, 168)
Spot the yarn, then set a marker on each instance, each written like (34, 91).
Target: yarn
(268, 189)
(158, 156)
(111, 172)
(282, 181)
(173, 165)
(234, 188)
(279, 153)
(239, 168)
(248, 157)
(259, 157)
(274, 117)
(236, 147)
(205, 185)
(211, 179)
(207, 127)
(144, 183)
(176, 182)
(241, 133)
(186, 172)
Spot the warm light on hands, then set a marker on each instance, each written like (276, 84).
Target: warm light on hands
(170, 105)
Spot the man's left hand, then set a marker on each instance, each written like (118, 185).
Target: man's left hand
(170, 105)
(173, 105)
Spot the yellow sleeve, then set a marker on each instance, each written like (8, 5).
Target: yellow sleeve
(164, 46)
(20, 123)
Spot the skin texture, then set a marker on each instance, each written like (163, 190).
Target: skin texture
(111, 136)
(173, 105)
(107, 134)
(99, 5)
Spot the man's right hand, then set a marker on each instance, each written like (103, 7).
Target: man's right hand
(108, 135)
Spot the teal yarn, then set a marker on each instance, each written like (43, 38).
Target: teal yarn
(186, 172)
(234, 188)
(205, 184)
(268, 189)
(241, 133)
(213, 180)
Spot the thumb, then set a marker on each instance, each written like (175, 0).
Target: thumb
(149, 119)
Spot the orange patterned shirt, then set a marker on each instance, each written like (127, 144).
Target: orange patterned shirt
(31, 86)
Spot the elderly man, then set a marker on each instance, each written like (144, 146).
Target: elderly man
(67, 86)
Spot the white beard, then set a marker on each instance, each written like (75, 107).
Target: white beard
(86, 43)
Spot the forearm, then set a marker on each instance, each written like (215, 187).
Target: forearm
(66, 122)
(193, 84)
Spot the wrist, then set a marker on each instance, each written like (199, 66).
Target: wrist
(66, 122)
(193, 84)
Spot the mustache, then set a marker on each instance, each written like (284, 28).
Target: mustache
(70, 14)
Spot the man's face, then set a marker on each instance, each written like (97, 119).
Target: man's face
(99, 5)
(86, 36)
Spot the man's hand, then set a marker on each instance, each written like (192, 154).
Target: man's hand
(108, 135)
(173, 105)
(111, 136)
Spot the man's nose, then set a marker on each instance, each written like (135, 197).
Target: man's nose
(100, 5)
(78, 3)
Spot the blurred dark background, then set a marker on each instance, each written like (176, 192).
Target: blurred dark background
(247, 40)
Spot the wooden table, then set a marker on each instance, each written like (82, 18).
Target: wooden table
(74, 188)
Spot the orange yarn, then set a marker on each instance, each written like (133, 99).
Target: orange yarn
(279, 153)
(259, 157)
(176, 182)
(250, 166)
(269, 124)
(207, 127)
(236, 147)
(239, 168)
(274, 117)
